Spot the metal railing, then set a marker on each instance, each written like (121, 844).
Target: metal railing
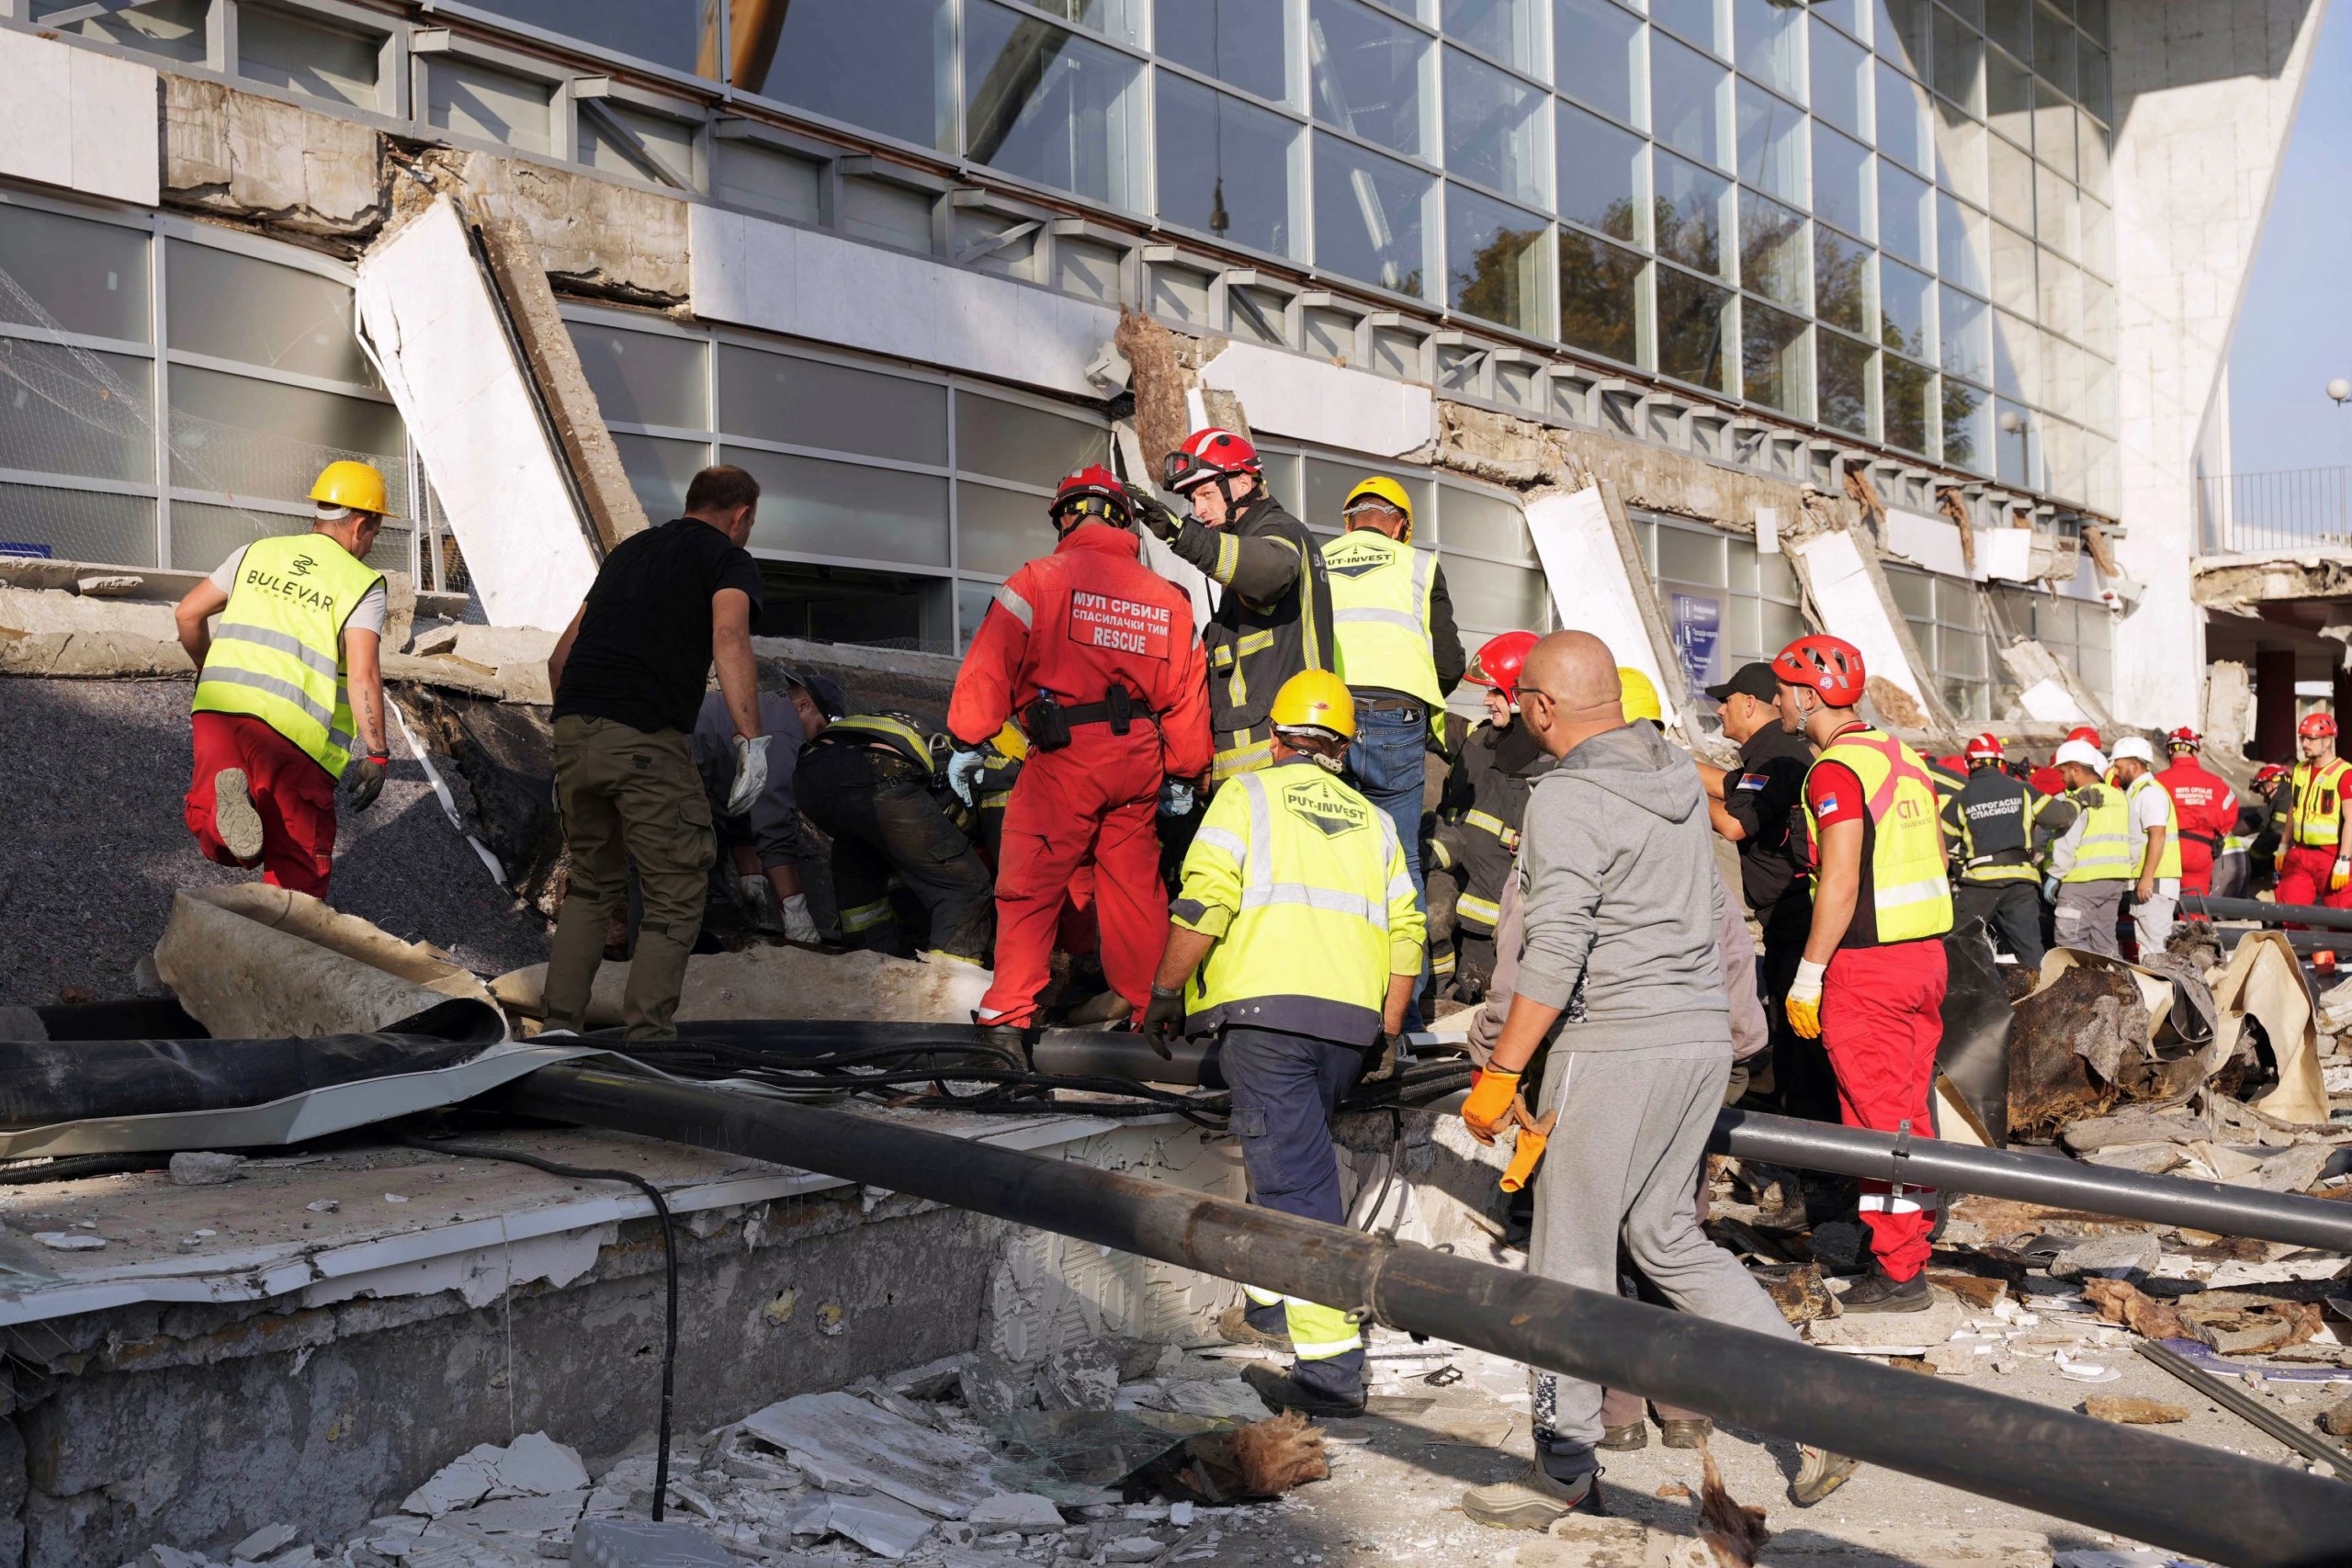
(2283, 510)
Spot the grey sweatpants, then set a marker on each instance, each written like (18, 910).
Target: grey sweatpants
(2085, 916)
(1626, 1156)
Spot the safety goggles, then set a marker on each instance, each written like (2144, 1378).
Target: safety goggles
(1086, 506)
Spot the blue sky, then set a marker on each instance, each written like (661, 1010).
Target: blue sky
(2294, 331)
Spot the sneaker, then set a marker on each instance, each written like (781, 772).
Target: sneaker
(1534, 1500)
(1624, 1439)
(1821, 1474)
(1282, 1392)
(233, 816)
(1875, 1293)
(1233, 1326)
(1687, 1434)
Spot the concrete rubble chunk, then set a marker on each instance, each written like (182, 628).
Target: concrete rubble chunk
(70, 1241)
(630, 1544)
(933, 1472)
(206, 1169)
(881, 1524)
(458, 1485)
(269, 1539)
(1023, 1511)
(523, 1516)
(536, 1465)
(994, 1388)
(1082, 1377)
(1880, 1331)
(2128, 1412)
(2113, 1256)
(162, 1556)
(1225, 1397)
(1132, 1549)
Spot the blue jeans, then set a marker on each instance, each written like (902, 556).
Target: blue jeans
(1388, 763)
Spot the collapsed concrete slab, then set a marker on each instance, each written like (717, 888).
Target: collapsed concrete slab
(783, 983)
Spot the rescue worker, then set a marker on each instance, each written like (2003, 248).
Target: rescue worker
(1755, 808)
(905, 877)
(2260, 823)
(2154, 846)
(1097, 656)
(2091, 862)
(1273, 618)
(1297, 940)
(763, 845)
(1871, 986)
(2000, 819)
(2205, 804)
(2315, 866)
(290, 691)
(1478, 815)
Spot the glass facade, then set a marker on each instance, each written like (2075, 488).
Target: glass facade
(1725, 602)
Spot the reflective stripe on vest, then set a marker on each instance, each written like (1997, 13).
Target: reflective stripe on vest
(2169, 858)
(1488, 822)
(2317, 813)
(1910, 891)
(2103, 854)
(1380, 613)
(895, 734)
(277, 654)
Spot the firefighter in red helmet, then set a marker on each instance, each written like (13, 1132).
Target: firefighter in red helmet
(1097, 656)
(2315, 864)
(2206, 806)
(1479, 815)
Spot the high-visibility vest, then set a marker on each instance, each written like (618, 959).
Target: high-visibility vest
(1910, 890)
(277, 652)
(2104, 851)
(2167, 858)
(1994, 814)
(1304, 884)
(2317, 815)
(1380, 613)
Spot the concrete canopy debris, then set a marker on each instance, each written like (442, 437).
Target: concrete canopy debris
(938, 1474)
(783, 983)
(1583, 550)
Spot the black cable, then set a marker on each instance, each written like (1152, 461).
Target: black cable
(74, 1168)
(669, 1257)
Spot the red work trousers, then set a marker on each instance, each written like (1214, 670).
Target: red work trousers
(2304, 878)
(293, 794)
(1088, 804)
(1881, 1020)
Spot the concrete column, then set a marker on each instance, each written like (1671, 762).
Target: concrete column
(2274, 706)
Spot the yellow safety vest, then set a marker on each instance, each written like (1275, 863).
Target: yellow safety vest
(879, 729)
(1380, 613)
(277, 652)
(2317, 816)
(1304, 885)
(1910, 889)
(2104, 851)
(2169, 858)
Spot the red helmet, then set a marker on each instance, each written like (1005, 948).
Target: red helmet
(1092, 492)
(1829, 665)
(2183, 739)
(1986, 748)
(2084, 733)
(2270, 773)
(1499, 663)
(2316, 725)
(1209, 453)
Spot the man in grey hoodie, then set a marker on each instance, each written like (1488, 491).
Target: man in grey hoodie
(1622, 904)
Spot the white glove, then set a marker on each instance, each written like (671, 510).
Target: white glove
(1806, 986)
(798, 924)
(2050, 890)
(963, 769)
(1175, 798)
(751, 773)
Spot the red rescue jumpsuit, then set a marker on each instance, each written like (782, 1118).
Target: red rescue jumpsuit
(2208, 810)
(1074, 625)
(2315, 804)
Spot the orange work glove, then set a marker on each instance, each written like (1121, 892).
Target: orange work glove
(1488, 1111)
(2340, 874)
(1528, 1150)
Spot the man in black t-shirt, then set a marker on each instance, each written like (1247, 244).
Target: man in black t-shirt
(628, 675)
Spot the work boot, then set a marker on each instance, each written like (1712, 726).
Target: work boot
(1008, 1042)
(1534, 1500)
(1875, 1291)
(1690, 1434)
(234, 819)
(1821, 1474)
(1282, 1392)
(1233, 1326)
(1624, 1439)
(1108, 1008)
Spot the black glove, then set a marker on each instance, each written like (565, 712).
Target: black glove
(1163, 1017)
(366, 776)
(1151, 513)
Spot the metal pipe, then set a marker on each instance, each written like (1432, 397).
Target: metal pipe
(2244, 1406)
(2273, 914)
(2120, 1479)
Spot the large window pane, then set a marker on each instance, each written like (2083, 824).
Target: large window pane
(2094, 79)
(659, 470)
(1906, 213)
(1368, 75)
(66, 410)
(2061, 297)
(1908, 389)
(1841, 280)
(1687, 102)
(1772, 145)
(2017, 358)
(281, 50)
(1227, 167)
(2054, 129)
(1486, 524)
(2090, 142)
(1841, 173)
(1773, 359)
(80, 525)
(233, 307)
(1771, 43)
(1692, 321)
(2009, 23)
(1694, 20)
(1840, 80)
(2017, 440)
(1599, 292)
(1695, 555)
(1902, 120)
(1906, 310)
(173, 28)
(1121, 19)
(808, 402)
(1496, 260)
(1326, 488)
(2058, 214)
(1597, 54)
(680, 34)
(1961, 245)
(1772, 250)
(470, 100)
(1967, 410)
(2013, 271)
(645, 378)
(1486, 594)
(878, 63)
(1959, 155)
(996, 530)
(1245, 44)
(257, 438)
(2008, 98)
(1960, 63)
(2012, 184)
(1693, 212)
(1013, 441)
(1494, 129)
(1966, 334)
(1507, 29)
(1050, 106)
(1843, 383)
(811, 507)
(1900, 31)
(1370, 217)
(1600, 175)
(2053, 50)
(84, 276)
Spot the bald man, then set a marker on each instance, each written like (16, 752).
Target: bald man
(1621, 907)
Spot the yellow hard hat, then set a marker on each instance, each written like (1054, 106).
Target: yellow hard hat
(1316, 699)
(1640, 698)
(1380, 488)
(359, 486)
(1012, 742)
